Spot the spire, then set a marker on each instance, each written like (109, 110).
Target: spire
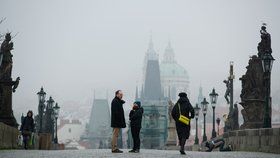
(142, 92)
(136, 93)
(151, 44)
(169, 44)
(169, 56)
(200, 95)
(151, 53)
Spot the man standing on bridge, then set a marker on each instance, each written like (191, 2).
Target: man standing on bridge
(117, 119)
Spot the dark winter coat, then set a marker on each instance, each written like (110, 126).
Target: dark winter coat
(135, 117)
(117, 113)
(187, 110)
(27, 124)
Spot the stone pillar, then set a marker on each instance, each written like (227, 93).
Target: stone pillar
(172, 136)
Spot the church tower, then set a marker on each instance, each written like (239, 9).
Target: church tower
(152, 85)
(154, 122)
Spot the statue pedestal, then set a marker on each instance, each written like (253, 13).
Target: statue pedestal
(6, 112)
(172, 137)
(253, 113)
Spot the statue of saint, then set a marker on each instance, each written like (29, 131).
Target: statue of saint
(6, 62)
(7, 85)
(265, 44)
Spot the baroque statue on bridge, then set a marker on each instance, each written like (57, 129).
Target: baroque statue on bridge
(7, 85)
(265, 45)
(253, 88)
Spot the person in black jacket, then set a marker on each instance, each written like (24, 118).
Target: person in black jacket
(135, 117)
(27, 128)
(183, 130)
(117, 119)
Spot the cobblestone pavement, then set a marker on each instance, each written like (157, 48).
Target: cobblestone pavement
(143, 154)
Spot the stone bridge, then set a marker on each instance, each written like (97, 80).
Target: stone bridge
(92, 153)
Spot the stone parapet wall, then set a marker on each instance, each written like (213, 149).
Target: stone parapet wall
(257, 140)
(8, 137)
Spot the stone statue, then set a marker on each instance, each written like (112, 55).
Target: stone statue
(227, 127)
(7, 85)
(6, 62)
(171, 140)
(252, 94)
(265, 45)
(227, 93)
(171, 105)
(253, 88)
(235, 123)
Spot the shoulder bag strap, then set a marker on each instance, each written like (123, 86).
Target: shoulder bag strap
(179, 108)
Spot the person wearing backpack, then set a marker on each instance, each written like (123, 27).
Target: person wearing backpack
(182, 112)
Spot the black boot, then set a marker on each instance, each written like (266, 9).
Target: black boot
(182, 150)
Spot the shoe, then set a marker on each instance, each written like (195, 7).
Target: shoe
(132, 151)
(137, 151)
(182, 152)
(117, 151)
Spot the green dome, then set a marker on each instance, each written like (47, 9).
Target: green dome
(173, 69)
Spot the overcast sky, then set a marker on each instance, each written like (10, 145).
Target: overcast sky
(73, 47)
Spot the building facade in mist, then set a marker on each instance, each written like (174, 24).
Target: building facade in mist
(174, 77)
(99, 127)
(155, 117)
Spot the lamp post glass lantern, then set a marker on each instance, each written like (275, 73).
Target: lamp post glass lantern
(196, 112)
(213, 98)
(204, 105)
(50, 103)
(41, 97)
(267, 62)
(56, 113)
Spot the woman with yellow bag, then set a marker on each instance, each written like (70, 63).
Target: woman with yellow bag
(182, 113)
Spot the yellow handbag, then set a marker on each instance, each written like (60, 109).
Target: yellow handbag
(183, 119)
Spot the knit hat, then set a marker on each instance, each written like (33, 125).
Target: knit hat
(138, 103)
(182, 94)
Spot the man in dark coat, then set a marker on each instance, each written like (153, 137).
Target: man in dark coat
(183, 130)
(117, 119)
(135, 117)
(27, 128)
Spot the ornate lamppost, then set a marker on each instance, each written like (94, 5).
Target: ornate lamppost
(267, 62)
(218, 120)
(213, 98)
(56, 113)
(196, 112)
(204, 105)
(41, 96)
(49, 116)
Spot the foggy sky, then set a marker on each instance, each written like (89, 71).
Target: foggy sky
(73, 47)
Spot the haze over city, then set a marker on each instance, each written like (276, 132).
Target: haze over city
(73, 49)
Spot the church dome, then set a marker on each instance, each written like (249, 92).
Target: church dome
(173, 69)
(174, 77)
